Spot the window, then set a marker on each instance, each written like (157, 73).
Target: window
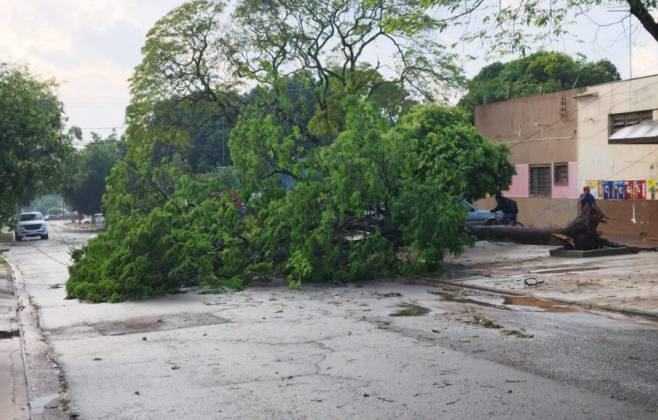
(618, 121)
(540, 180)
(561, 174)
(26, 217)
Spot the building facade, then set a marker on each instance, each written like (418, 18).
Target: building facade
(604, 136)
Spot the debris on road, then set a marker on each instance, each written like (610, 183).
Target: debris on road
(482, 320)
(517, 333)
(411, 309)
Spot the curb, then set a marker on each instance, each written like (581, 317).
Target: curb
(14, 400)
(605, 308)
(46, 384)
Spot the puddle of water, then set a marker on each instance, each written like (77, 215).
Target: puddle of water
(506, 302)
(546, 305)
(489, 301)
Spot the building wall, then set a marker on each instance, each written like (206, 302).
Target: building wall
(540, 212)
(520, 181)
(630, 220)
(539, 130)
(598, 160)
(633, 222)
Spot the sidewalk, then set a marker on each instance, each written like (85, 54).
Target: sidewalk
(13, 397)
(625, 283)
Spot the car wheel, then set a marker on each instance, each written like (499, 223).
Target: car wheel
(18, 237)
(44, 236)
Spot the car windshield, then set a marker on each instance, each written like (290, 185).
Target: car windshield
(468, 205)
(30, 216)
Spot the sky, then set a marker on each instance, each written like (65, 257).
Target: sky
(90, 48)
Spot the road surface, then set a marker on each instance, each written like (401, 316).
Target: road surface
(322, 352)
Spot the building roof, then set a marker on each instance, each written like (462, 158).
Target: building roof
(582, 90)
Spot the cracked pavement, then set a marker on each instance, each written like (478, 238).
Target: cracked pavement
(323, 352)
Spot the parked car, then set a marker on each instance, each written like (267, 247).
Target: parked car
(86, 220)
(477, 216)
(31, 224)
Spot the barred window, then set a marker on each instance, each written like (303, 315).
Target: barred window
(627, 119)
(540, 180)
(561, 174)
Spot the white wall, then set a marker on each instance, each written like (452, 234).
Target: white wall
(598, 160)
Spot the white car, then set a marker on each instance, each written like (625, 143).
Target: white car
(478, 217)
(99, 218)
(31, 224)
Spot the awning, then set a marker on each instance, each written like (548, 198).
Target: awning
(644, 132)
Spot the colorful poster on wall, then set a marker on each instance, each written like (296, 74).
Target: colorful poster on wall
(618, 190)
(595, 187)
(608, 187)
(651, 188)
(635, 190)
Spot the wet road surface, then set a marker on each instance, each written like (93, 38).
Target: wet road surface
(325, 352)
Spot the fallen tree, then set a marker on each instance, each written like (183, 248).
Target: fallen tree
(581, 233)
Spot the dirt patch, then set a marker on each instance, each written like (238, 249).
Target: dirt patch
(159, 323)
(387, 295)
(516, 333)
(411, 309)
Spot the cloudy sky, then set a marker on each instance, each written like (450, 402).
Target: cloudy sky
(91, 46)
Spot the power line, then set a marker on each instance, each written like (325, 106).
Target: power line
(612, 93)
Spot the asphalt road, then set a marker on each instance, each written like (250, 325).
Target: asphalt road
(322, 352)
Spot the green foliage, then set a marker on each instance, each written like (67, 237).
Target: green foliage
(192, 238)
(33, 144)
(86, 171)
(541, 72)
(355, 206)
(337, 174)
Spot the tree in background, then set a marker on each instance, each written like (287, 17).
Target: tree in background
(87, 169)
(541, 72)
(33, 142)
(47, 204)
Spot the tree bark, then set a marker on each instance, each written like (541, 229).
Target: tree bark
(639, 10)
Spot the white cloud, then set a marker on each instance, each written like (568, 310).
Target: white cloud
(89, 47)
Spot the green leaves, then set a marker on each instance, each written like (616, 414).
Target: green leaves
(33, 144)
(86, 171)
(541, 72)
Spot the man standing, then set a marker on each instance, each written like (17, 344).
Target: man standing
(508, 207)
(586, 198)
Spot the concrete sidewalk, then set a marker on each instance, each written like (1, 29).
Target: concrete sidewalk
(624, 283)
(13, 397)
